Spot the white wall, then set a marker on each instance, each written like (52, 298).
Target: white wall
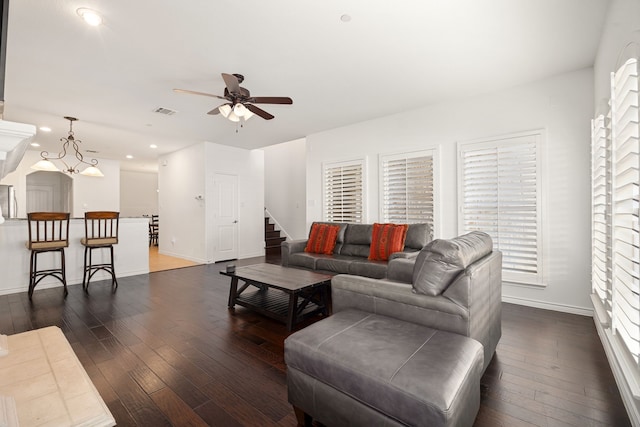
(181, 175)
(620, 39)
(138, 193)
(186, 224)
(285, 186)
(561, 105)
(89, 193)
(248, 165)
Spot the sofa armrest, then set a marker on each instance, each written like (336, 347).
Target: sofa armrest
(291, 247)
(396, 299)
(404, 255)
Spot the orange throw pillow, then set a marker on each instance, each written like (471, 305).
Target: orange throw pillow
(322, 239)
(387, 239)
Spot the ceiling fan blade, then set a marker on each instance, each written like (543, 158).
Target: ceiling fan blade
(193, 92)
(259, 112)
(232, 83)
(271, 100)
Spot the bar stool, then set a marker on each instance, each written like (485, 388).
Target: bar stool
(48, 232)
(101, 232)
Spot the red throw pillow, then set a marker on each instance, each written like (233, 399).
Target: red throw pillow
(322, 239)
(387, 239)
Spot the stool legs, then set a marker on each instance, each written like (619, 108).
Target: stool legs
(90, 269)
(36, 276)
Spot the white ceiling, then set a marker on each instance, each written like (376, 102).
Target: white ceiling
(390, 57)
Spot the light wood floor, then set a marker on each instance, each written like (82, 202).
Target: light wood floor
(159, 262)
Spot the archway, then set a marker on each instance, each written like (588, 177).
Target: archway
(49, 192)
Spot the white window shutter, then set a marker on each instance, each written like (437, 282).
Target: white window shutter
(343, 192)
(601, 211)
(499, 195)
(407, 184)
(625, 165)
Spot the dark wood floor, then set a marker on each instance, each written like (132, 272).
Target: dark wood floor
(164, 350)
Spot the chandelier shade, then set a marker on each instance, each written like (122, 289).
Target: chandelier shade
(73, 162)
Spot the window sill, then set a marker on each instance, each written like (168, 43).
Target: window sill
(530, 285)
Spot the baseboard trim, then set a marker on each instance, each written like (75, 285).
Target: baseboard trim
(188, 258)
(582, 311)
(49, 283)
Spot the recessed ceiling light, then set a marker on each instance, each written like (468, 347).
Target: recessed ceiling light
(345, 18)
(45, 128)
(35, 144)
(129, 156)
(91, 17)
(153, 146)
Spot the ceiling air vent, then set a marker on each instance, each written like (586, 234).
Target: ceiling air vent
(166, 111)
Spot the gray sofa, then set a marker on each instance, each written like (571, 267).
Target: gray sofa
(350, 255)
(406, 350)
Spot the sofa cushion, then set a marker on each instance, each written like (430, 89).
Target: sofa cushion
(322, 239)
(386, 239)
(440, 262)
(373, 269)
(303, 259)
(418, 235)
(335, 263)
(357, 238)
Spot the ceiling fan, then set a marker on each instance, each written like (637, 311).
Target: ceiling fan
(240, 104)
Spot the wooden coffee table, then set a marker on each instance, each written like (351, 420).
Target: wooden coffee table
(288, 295)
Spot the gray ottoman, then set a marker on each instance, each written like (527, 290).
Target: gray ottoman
(356, 368)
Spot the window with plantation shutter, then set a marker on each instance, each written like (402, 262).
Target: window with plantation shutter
(407, 188)
(601, 211)
(499, 194)
(343, 191)
(625, 204)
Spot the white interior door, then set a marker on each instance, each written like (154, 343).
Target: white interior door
(226, 217)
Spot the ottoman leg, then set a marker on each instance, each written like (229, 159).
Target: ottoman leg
(304, 419)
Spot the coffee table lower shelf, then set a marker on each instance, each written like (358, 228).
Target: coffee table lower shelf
(275, 304)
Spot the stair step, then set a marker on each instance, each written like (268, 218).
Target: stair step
(272, 234)
(272, 238)
(274, 241)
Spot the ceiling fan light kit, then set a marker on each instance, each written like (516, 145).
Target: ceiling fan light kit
(240, 104)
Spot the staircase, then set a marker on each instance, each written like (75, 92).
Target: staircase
(272, 238)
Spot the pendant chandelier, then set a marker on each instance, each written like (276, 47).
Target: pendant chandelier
(46, 163)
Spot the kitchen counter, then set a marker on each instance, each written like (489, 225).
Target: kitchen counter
(131, 254)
